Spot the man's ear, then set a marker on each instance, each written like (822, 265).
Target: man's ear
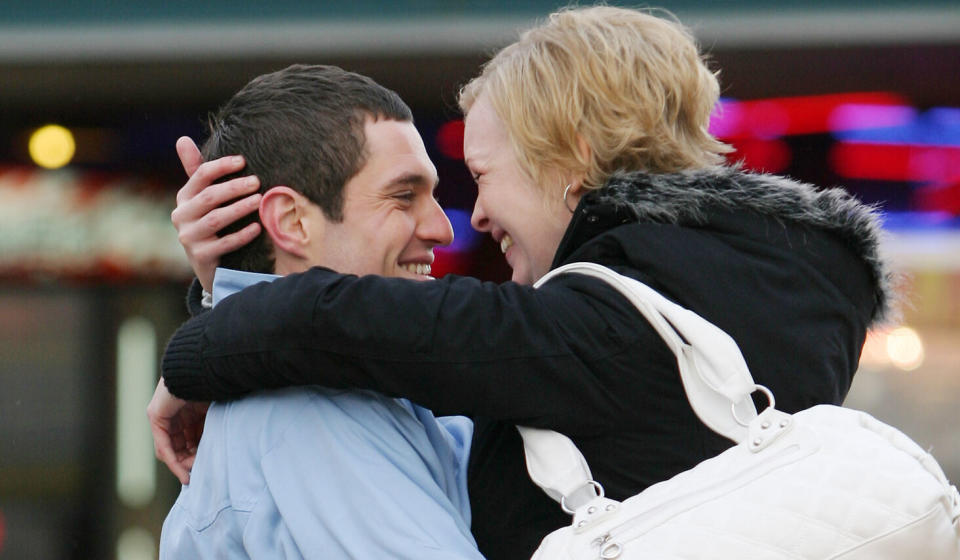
(283, 214)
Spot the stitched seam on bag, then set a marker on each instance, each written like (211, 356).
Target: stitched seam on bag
(888, 533)
(755, 543)
(786, 457)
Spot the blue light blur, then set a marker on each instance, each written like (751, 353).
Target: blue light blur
(920, 221)
(935, 127)
(465, 238)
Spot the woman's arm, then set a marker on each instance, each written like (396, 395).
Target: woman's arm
(456, 345)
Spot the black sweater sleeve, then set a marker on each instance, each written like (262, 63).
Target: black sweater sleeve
(456, 345)
(195, 299)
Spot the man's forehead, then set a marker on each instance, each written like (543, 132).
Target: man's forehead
(381, 134)
(395, 151)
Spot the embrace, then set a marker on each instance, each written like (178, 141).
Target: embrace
(363, 409)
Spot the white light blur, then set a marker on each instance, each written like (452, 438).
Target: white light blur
(136, 543)
(136, 378)
(905, 348)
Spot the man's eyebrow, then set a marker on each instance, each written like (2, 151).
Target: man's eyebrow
(414, 179)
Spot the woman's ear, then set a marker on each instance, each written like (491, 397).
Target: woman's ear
(576, 182)
(282, 213)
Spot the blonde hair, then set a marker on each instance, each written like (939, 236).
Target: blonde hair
(633, 86)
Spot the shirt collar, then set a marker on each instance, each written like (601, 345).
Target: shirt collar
(227, 281)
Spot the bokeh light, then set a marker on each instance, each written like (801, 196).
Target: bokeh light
(450, 139)
(905, 348)
(901, 348)
(52, 146)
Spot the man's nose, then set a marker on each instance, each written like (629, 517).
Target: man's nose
(435, 226)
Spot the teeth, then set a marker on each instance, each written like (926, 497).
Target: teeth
(417, 268)
(505, 243)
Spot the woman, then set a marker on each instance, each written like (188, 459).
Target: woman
(588, 141)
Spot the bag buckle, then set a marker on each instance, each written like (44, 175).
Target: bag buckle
(593, 511)
(578, 497)
(767, 428)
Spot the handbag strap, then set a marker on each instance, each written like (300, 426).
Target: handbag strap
(714, 374)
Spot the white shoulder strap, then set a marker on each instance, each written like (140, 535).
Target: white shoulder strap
(715, 378)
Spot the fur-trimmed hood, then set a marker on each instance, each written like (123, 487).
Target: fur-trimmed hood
(684, 198)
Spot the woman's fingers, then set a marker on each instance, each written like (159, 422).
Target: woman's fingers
(206, 254)
(206, 174)
(190, 156)
(204, 210)
(193, 232)
(219, 218)
(205, 207)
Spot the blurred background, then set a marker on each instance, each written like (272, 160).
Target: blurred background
(92, 279)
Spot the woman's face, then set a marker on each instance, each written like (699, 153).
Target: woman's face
(527, 220)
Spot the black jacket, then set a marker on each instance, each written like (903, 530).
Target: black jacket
(792, 273)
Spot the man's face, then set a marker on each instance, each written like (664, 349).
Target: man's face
(391, 222)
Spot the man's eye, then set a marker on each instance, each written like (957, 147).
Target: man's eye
(405, 196)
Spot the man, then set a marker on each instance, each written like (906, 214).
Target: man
(313, 472)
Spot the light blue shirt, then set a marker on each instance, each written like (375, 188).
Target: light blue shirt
(311, 472)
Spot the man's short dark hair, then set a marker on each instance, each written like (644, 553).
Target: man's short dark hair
(302, 127)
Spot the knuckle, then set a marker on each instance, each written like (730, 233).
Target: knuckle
(206, 197)
(212, 222)
(206, 169)
(202, 255)
(235, 187)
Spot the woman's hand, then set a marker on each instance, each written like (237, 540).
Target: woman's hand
(177, 426)
(198, 215)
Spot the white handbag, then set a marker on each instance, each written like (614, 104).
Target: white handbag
(825, 483)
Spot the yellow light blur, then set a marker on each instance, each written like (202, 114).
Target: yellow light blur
(52, 146)
(905, 348)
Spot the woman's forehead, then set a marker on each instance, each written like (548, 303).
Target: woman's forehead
(483, 132)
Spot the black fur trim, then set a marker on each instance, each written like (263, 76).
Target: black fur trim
(683, 198)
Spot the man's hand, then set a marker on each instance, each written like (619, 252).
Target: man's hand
(177, 426)
(198, 216)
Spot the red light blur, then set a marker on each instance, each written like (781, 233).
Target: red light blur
(450, 139)
(896, 162)
(785, 116)
(942, 198)
(448, 262)
(770, 156)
